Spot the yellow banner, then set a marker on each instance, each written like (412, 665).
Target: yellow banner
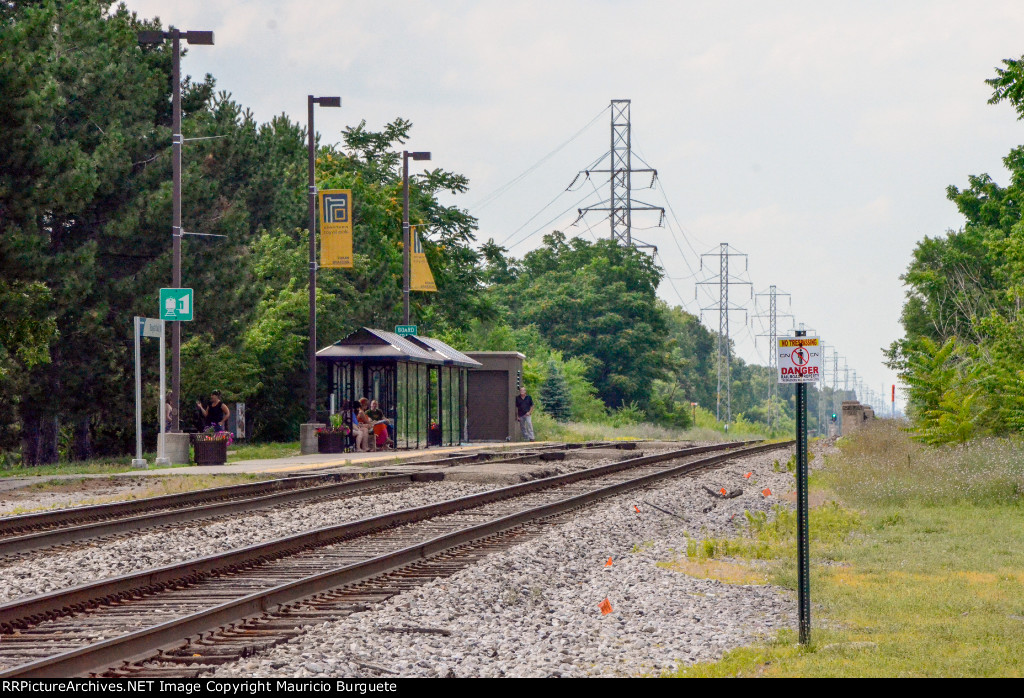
(421, 277)
(336, 228)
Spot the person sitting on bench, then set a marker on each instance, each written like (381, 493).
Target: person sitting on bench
(379, 425)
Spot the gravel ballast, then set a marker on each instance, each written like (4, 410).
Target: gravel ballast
(49, 570)
(52, 569)
(532, 610)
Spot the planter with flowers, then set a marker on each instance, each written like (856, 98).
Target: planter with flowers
(211, 447)
(335, 438)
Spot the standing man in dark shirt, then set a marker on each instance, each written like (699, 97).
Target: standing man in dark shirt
(216, 415)
(524, 408)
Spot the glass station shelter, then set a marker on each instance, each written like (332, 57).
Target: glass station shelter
(418, 381)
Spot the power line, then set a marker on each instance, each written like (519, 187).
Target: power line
(571, 207)
(671, 282)
(545, 207)
(668, 203)
(497, 193)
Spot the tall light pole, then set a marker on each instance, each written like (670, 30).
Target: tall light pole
(199, 38)
(323, 102)
(405, 229)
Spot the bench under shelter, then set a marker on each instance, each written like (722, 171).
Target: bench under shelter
(416, 380)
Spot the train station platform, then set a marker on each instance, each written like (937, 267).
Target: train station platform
(381, 460)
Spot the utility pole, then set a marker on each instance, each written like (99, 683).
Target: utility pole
(620, 204)
(723, 347)
(199, 38)
(773, 333)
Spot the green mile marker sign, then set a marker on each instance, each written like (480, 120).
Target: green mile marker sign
(176, 304)
(405, 330)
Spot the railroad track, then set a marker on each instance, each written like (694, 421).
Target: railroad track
(97, 626)
(30, 532)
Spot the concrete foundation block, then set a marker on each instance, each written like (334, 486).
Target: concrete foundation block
(175, 448)
(307, 438)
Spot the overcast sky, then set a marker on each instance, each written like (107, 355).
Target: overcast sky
(816, 137)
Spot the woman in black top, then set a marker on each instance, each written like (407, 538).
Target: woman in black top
(216, 415)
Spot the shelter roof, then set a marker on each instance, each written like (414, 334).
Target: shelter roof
(450, 354)
(368, 344)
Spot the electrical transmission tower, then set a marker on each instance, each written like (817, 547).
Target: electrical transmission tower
(826, 369)
(723, 347)
(620, 204)
(773, 333)
(836, 403)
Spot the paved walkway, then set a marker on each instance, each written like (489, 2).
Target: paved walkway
(319, 461)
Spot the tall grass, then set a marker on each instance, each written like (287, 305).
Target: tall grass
(547, 429)
(930, 580)
(880, 465)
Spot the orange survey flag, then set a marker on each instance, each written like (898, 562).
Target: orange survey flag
(609, 563)
(766, 492)
(748, 475)
(605, 606)
(723, 491)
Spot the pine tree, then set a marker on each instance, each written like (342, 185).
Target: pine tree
(554, 394)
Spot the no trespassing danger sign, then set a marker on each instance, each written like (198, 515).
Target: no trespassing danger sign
(799, 359)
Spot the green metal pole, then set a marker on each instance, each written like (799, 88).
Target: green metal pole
(802, 542)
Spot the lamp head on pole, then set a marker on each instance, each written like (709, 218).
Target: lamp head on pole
(327, 101)
(420, 156)
(151, 37)
(199, 38)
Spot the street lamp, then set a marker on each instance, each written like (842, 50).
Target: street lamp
(323, 102)
(199, 38)
(405, 228)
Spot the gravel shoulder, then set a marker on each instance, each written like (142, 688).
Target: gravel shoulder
(532, 610)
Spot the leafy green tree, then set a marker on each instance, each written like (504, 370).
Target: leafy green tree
(595, 302)
(961, 353)
(80, 114)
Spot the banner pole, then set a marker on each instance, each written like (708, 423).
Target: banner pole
(138, 461)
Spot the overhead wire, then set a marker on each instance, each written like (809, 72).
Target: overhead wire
(537, 230)
(664, 194)
(549, 204)
(497, 193)
(682, 302)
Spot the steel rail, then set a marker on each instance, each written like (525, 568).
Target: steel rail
(63, 536)
(23, 612)
(102, 654)
(117, 517)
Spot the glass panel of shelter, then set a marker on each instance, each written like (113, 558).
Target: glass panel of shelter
(412, 395)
